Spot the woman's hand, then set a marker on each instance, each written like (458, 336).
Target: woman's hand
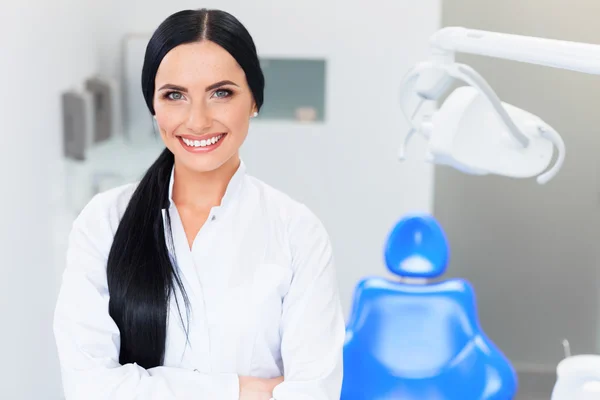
(252, 388)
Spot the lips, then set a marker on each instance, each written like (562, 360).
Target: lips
(200, 144)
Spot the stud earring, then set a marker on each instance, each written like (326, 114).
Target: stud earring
(255, 114)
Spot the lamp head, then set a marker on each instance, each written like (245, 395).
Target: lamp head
(474, 132)
(468, 135)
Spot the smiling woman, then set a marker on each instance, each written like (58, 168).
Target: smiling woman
(199, 281)
(200, 108)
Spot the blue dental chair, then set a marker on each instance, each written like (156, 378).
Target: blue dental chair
(411, 339)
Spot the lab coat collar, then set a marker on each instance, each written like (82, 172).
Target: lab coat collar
(232, 188)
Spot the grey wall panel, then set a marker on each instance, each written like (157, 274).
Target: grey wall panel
(531, 251)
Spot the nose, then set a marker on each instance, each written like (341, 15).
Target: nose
(199, 118)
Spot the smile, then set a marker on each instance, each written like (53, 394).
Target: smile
(203, 142)
(202, 145)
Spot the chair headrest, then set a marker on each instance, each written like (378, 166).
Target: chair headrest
(417, 247)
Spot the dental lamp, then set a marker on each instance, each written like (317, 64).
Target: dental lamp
(476, 133)
(473, 131)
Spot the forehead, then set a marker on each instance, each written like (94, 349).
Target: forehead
(198, 64)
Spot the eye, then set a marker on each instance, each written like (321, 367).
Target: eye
(173, 96)
(223, 93)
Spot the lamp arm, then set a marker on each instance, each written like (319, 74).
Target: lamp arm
(574, 56)
(470, 76)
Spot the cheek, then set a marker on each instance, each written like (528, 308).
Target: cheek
(167, 120)
(239, 123)
(236, 117)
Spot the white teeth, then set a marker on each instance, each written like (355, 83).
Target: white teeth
(202, 143)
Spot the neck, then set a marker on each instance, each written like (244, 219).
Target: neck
(202, 189)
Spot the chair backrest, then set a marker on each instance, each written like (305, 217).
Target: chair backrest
(418, 340)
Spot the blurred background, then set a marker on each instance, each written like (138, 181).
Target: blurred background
(328, 136)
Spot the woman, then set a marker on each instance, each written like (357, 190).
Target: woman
(200, 281)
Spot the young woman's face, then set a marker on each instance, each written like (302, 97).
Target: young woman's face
(203, 105)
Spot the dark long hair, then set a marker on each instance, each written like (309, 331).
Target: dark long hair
(142, 276)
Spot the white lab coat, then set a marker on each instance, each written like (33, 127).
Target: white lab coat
(263, 299)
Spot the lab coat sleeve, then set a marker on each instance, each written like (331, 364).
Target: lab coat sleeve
(87, 338)
(312, 329)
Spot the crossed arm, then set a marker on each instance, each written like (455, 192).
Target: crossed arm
(312, 329)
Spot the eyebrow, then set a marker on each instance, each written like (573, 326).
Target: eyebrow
(208, 88)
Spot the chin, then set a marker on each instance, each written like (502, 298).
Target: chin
(202, 162)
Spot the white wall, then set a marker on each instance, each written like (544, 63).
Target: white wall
(354, 183)
(346, 169)
(45, 48)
